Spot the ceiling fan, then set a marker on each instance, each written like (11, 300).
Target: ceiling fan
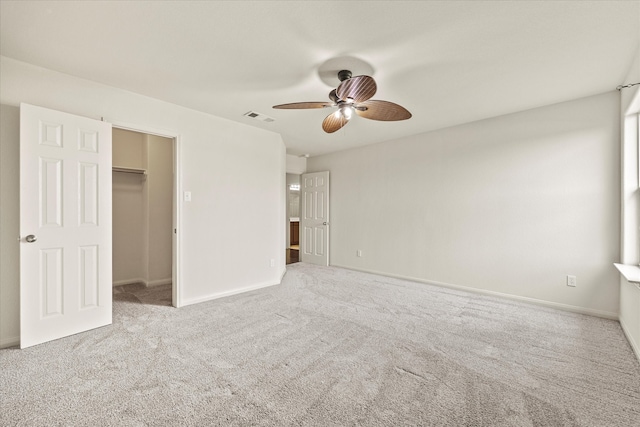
(353, 94)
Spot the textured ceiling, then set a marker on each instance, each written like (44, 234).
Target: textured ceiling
(447, 62)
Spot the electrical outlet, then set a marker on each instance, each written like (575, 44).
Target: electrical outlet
(187, 196)
(572, 281)
(359, 253)
(273, 262)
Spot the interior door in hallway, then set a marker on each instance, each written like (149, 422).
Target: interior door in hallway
(314, 221)
(65, 224)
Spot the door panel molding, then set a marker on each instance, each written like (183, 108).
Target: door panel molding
(314, 218)
(65, 224)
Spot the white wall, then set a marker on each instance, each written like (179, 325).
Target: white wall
(296, 165)
(218, 160)
(509, 205)
(630, 234)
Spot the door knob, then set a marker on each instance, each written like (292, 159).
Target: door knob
(31, 238)
(325, 223)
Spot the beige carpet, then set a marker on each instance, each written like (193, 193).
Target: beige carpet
(328, 347)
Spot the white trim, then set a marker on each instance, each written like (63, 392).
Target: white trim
(634, 345)
(629, 208)
(634, 104)
(9, 342)
(556, 305)
(165, 133)
(631, 273)
(284, 271)
(176, 273)
(229, 293)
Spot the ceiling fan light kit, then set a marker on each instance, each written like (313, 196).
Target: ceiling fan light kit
(353, 95)
(345, 111)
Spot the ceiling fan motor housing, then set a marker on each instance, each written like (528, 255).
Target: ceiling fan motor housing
(344, 75)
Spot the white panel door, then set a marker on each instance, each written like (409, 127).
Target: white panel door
(65, 224)
(314, 221)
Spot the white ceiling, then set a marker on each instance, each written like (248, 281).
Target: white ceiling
(448, 62)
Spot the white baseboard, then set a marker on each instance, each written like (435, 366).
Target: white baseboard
(128, 281)
(228, 293)
(634, 345)
(559, 306)
(146, 283)
(158, 282)
(9, 342)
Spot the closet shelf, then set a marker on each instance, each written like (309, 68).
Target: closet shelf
(130, 170)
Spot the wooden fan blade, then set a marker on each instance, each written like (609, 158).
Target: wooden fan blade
(359, 88)
(382, 110)
(304, 105)
(333, 122)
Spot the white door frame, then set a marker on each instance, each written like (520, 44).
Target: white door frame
(176, 293)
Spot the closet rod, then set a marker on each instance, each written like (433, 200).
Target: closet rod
(129, 170)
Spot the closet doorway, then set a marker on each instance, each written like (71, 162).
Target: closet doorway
(144, 214)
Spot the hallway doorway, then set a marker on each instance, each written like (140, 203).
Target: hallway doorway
(293, 218)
